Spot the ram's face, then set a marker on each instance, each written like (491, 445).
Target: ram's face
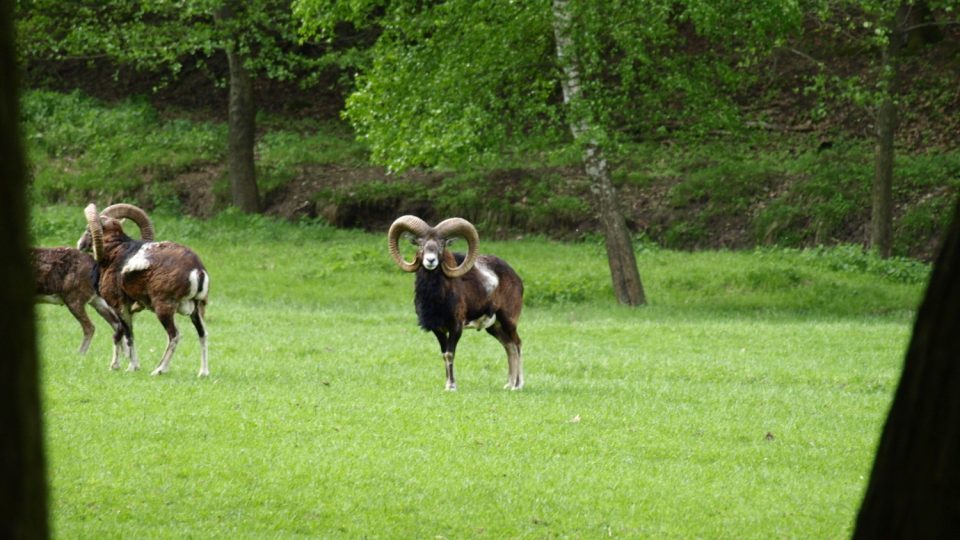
(110, 226)
(431, 252)
(85, 243)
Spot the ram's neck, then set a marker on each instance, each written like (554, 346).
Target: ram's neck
(435, 297)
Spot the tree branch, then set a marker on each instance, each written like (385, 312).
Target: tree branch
(804, 55)
(927, 25)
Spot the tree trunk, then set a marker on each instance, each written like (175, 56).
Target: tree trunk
(881, 216)
(242, 126)
(23, 493)
(914, 489)
(620, 256)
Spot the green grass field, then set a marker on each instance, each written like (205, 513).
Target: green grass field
(744, 402)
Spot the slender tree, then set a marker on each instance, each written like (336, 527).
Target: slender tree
(881, 214)
(620, 256)
(902, 22)
(23, 495)
(890, 29)
(914, 489)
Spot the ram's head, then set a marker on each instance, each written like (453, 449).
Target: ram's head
(109, 221)
(431, 244)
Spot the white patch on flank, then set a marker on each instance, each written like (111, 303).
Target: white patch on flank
(49, 299)
(482, 323)
(140, 259)
(487, 277)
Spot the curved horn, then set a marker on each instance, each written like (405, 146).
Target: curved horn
(123, 210)
(410, 224)
(460, 227)
(95, 228)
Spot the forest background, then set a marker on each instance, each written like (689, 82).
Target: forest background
(721, 125)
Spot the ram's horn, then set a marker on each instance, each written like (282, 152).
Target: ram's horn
(123, 210)
(459, 227)
(96, 230)
(412, 225)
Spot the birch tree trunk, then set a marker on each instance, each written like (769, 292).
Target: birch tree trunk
(242, 117)
(623, 262)
(914, 489)
(23, 493)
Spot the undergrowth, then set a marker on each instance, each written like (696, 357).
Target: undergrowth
(744, 191)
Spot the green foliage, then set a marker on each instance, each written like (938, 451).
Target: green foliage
(855, 260)
(832, 191)
(731, 185)
(160, 35)
(376, 194)
(317, 144)
(282, 152)
(780, 190)
(453, 83)
(512, 199)
(80, 148)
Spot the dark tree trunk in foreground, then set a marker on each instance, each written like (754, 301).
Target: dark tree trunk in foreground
(242, 126)
(881, 216)
(23, 494)
(623, 262)
(914, 489)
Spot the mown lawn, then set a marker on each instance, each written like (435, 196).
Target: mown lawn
(744, 402)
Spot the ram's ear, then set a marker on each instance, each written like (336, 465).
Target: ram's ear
(450, 241)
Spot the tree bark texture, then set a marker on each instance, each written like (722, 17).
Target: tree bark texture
(242, 118)
(914, 489)
(623, 263)
(23, 493)
(881, 214)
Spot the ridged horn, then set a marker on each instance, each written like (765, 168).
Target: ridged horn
(123, 210)
(410, 224)
(96, 230)
(459, 227)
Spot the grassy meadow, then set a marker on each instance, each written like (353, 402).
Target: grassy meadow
(744, 402)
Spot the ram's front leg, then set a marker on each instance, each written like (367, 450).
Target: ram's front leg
(448, 348)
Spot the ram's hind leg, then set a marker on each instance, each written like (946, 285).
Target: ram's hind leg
(165, 313)
(197, 318)
(79, 313)
(506, 334)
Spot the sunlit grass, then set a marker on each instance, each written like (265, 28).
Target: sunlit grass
(739, 403)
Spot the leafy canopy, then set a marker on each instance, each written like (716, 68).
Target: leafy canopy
(453, 82)
(162, 34)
